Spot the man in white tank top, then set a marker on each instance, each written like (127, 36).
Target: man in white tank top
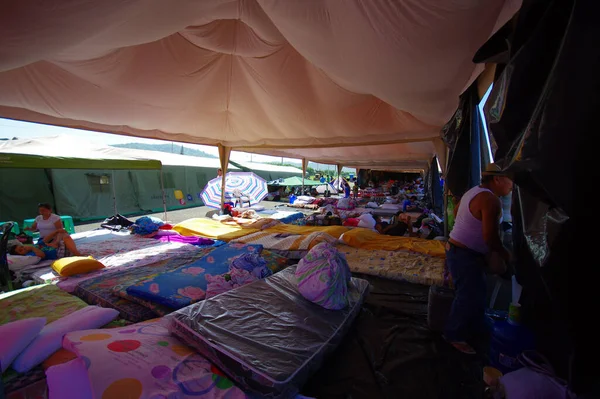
(475, 235)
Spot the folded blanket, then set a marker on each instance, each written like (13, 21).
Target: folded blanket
(225, 282)
(252, 263)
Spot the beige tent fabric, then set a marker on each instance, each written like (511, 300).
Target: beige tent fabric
(404, 155)
(266, 74)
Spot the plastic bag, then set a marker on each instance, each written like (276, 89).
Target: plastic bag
(323, 276)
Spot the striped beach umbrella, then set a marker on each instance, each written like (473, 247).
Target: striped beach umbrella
(249, 184)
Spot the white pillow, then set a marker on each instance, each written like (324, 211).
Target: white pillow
(17, 262)
(366, 220)
(69, 381)
(16, 336)
(50, 338)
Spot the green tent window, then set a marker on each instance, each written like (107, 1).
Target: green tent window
(98, 183)
(168, 179)
(201, 179)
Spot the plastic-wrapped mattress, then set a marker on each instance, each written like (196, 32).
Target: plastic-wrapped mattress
(266, 336)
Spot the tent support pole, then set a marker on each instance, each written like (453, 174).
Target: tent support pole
(444, 166)
(114, 192)
(339, 182)
(446, 232)
(164, 199)
(224, 153)
(304, 167)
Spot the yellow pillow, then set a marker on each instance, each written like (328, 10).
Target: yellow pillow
(76, 265)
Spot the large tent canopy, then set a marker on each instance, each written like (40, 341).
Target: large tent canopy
(396, 156)
(262, 75)
(51, 153)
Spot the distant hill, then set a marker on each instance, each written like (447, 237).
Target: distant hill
(173, 149)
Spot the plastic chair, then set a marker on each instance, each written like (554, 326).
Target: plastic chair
(5, 279)
(240, 198)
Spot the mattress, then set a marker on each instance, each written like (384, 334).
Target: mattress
(334, 231)
(188, 284)
(369, 239)
(292, 246)
(100, 289)
(144, 361)
(274, 262)
(38, 301)
(211, 228)
(265, 335)
(115, 250)
(408, 266)
(286, 216)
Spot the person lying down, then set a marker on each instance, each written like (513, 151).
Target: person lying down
(48, 249)
(400, 224)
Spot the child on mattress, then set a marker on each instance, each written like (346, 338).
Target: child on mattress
(48, 248)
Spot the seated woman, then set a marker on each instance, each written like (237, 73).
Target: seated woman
(51, 230)
(46, 222)
(48, 249)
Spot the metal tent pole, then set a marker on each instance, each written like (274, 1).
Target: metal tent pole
(304, 165)
(224, 154)
(164, 198)
(114, 192)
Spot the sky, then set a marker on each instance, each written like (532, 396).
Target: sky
(11, 128)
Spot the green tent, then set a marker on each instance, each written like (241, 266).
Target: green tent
(294, 181)
(28, 161)
(268, 172)
(77, 179)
